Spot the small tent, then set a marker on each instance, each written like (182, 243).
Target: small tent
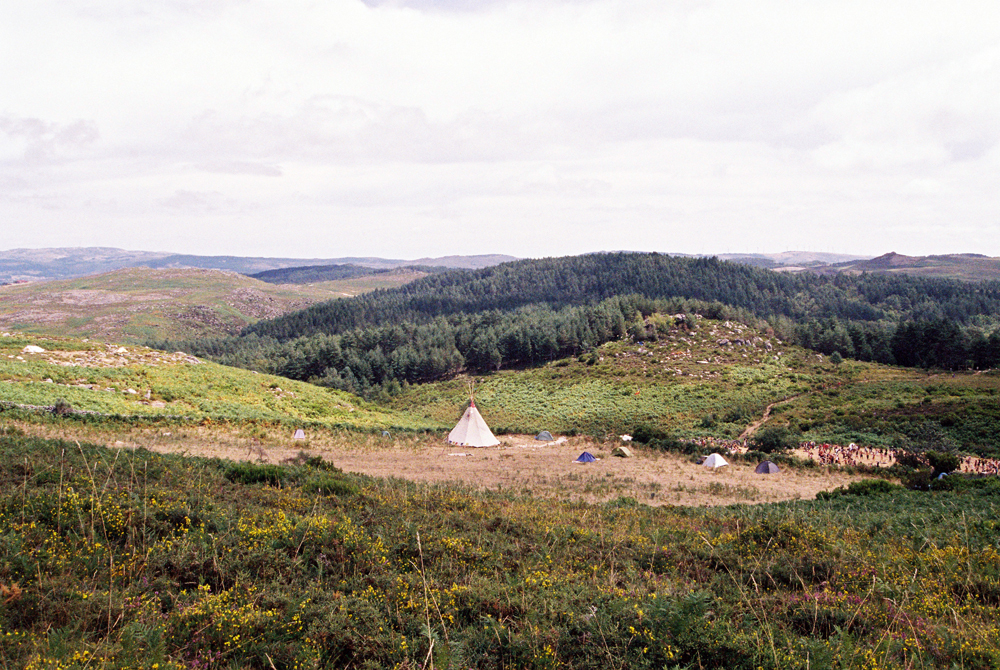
(544, 436)
(585, 457)
(472, 431)
(299, 434)
(622, 452)
(766, 468)
(715, 461)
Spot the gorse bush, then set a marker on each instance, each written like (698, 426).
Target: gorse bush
(943, 463)
(863, 488)
(331, 485)
(133, 559)
(774, 439)
(250, 473)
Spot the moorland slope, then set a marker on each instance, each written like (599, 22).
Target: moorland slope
(139, 304)
(71, 262)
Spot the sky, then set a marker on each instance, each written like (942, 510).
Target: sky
(424, 128)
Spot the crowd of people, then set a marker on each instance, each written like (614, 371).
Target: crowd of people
(980, 466)
(851, 454)
(721, 444)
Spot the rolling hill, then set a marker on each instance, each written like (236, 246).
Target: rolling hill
(137, 304)
(128, 382)
(67, 263)
(967, 267)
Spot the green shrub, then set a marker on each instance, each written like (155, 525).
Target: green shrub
(672, 444)
(918, 480)
(331, 486)
(771, 440)
(251, 473)
(863, 488)
(646, 433)
(623, 501)
(943, 463)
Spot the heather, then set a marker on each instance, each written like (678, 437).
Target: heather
(122, 558)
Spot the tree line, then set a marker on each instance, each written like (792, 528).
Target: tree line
(529, 312)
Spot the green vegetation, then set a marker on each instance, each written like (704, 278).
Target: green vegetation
(140, 304)
(308, 274)
(535, 311)
(131, 559)
(684, 384)
(772, 440)
(89, 381)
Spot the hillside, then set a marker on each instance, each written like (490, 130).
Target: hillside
(312, 274)
(708, 378)
(137, 304)
(97, 379)
(71, 262)
(530, 312)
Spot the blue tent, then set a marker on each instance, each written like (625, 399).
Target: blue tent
(585, 457)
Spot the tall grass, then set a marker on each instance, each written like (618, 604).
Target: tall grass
(115, 559)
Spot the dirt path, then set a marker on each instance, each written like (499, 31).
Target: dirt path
(752, 428)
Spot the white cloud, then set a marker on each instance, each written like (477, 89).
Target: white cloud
(409, 127)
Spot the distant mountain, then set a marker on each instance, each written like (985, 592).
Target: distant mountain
(73, 262)
(791, 259)
(967, 267)
(311, 274)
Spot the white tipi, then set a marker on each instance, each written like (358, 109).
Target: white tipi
(472, 430)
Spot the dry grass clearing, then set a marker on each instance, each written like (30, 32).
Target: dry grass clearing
(520, 464)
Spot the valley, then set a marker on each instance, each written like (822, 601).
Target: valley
(159, 510)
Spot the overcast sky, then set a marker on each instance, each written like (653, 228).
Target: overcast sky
(410, 128)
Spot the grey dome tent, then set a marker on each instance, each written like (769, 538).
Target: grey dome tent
(545, 436)
(767, 468)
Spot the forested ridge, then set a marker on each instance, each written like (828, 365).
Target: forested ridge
(308, 274)
(529, 311)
